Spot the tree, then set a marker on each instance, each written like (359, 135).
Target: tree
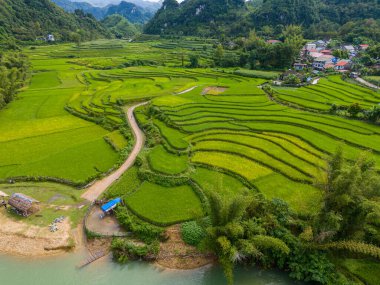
(235, 236)
(194, 60)
(219, 54)
(349, 209)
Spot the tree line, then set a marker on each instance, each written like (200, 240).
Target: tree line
(14, 73)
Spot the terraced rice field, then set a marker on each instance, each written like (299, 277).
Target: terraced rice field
(328, 91)
(70, 124)
(240, 141)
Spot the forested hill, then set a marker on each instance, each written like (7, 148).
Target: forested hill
(130, 11)
(235, 17)
(31, 19)
(197, 17)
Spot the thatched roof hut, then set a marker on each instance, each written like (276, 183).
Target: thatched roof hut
(23, 204)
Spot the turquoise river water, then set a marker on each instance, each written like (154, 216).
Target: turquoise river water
(61, 270)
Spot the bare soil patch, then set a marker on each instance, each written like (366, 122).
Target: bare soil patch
(108, 226)
(175, 254)
(214, 90)
(20, 238)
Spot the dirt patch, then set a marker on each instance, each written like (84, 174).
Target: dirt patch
(175, 254)
(107, 226)
(99, 245)
(214, 90)
(20, 238)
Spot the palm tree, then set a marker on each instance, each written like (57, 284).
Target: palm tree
(233, 236)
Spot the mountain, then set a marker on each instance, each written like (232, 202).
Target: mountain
(327, 18)
(197, 17)
(30, 19)
(151, 6)
(119, 26)
(133, 12)
(69, 6)
(130, 11)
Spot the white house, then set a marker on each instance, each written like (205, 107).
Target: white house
(320, 62)
(50, 38)
(349, 48)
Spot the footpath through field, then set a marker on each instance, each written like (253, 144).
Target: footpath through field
(362, 81)
(96, 189)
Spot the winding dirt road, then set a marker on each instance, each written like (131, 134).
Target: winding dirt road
(96, 189)
(368, 84)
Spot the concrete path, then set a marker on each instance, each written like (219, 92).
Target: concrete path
(369, 84)
(187, 90)
(315, 81)
(96, 189)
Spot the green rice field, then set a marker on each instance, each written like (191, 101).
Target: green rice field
(207, 130)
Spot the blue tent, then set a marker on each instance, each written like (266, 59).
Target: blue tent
(111, 205)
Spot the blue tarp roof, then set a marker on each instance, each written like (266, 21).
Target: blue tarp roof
(110, 205)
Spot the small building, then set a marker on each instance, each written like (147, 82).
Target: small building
(349, 48)
(110, 205)
(273, 42)
(300, 66)
(315, 54)
(23, 205)
(326, 52)
(3, 195)
(320, 62)
(363, 46)
(320, 44)
(50, 38)
(343, 65)
(310, 46)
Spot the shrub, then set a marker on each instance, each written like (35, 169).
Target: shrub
(142, 230)
(192, 233)
(124, 250)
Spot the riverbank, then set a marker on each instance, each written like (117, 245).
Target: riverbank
(22, 239)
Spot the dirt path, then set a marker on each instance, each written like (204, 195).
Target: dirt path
(369, 84)
(187, 90)
(315, 81)
(96, 189)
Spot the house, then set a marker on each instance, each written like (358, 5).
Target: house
(329, 66)
(349, 48)
(320, 44)
(315, 54)
(320, 62)
(50, 38)
(310, 46)
(326, 52)
(23, 205)
(273, 42)
(363, 47)
(300, 66)
(343, 65)
(3, 195)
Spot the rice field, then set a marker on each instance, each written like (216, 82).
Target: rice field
(207, 130)
(330, 90)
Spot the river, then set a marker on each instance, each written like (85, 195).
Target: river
(62, 270)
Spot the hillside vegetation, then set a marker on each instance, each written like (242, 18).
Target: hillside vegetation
(349, 19)
(29, 20)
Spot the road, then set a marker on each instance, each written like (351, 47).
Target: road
(362, 81)
(96, 189)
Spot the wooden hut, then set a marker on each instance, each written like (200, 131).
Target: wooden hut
(23, 204)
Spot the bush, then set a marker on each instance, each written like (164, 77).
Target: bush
(142, 230)
(124, 250)
(192, 233)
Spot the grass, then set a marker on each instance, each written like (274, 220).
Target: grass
(55, 200)
(162, 161)
(163, 205)
(367, 271)
(127, 183)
